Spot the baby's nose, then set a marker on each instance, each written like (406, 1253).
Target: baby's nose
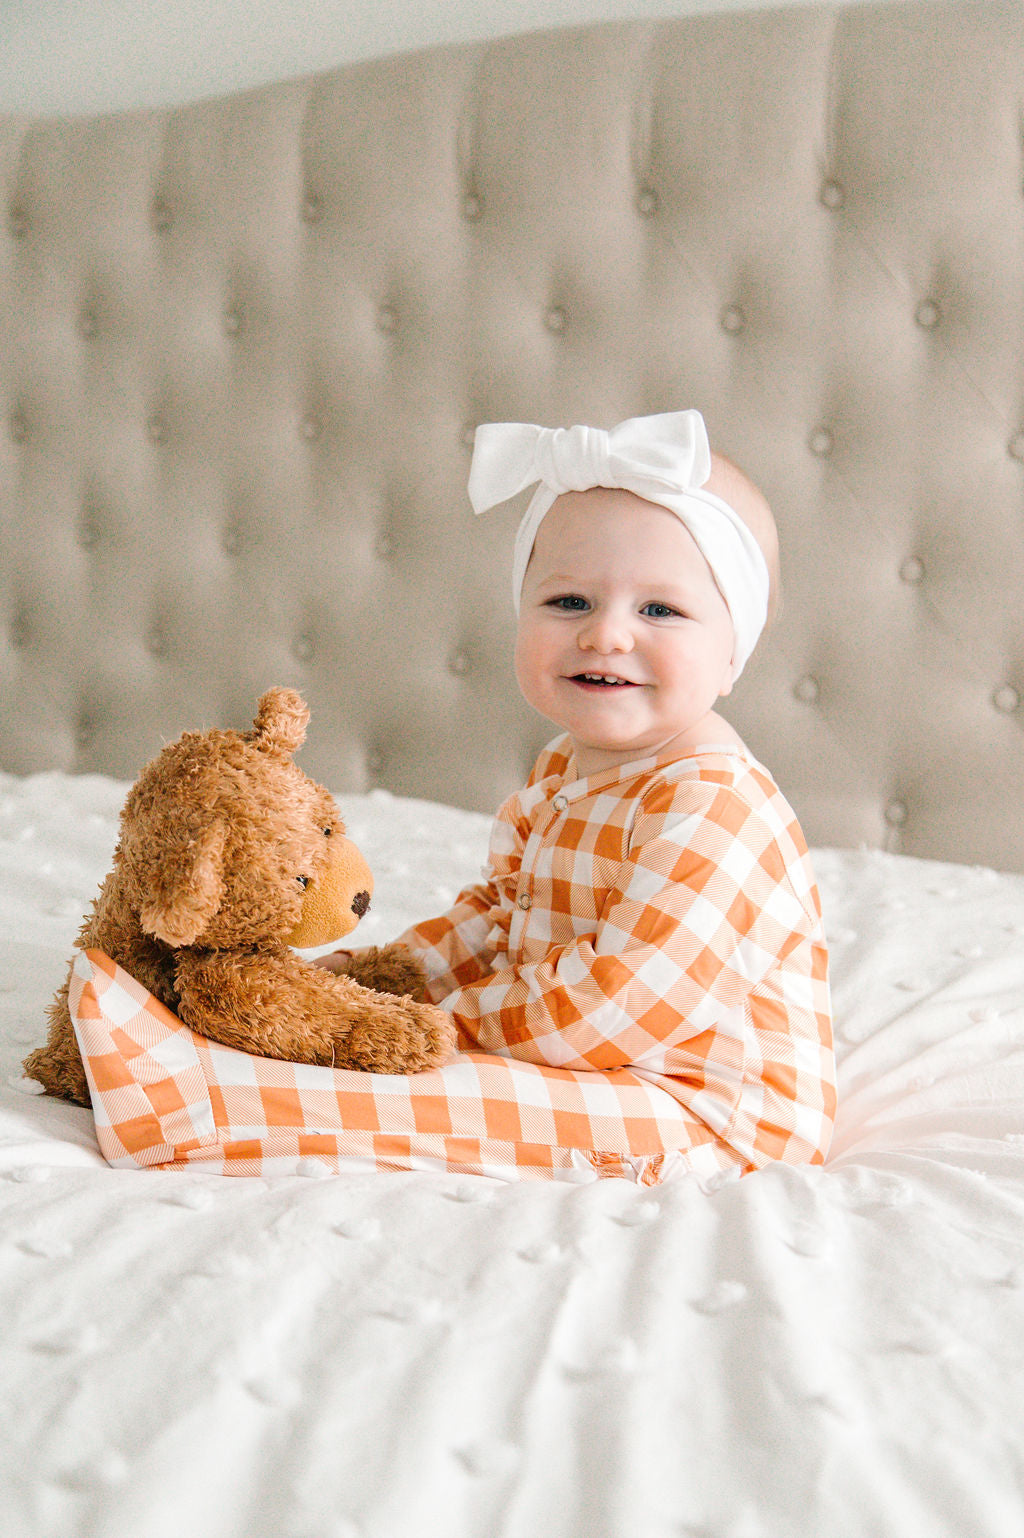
(606, 632)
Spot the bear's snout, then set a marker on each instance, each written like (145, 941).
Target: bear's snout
(336, 898)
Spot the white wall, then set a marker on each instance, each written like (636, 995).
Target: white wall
(75, 56)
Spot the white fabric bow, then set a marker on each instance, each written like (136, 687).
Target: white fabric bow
(664, 458)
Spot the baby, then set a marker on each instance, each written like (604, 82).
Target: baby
(648, 902)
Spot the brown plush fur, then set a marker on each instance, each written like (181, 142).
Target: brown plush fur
(227, 853)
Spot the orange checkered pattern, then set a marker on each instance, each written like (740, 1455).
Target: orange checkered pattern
(164, 1096)
(661, 917)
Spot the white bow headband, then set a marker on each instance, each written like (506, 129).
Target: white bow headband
(665, 459)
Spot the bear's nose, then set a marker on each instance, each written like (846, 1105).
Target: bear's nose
(360, 903)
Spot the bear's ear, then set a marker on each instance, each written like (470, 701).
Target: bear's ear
(281, 721)
(190, 889)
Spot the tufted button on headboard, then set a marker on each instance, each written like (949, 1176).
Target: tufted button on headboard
(244, 346)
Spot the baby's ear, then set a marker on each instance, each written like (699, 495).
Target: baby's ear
(281, 720)
(191, 888)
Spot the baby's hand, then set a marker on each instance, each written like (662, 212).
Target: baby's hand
(336, 962)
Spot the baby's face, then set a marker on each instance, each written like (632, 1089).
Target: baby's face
(624, 639)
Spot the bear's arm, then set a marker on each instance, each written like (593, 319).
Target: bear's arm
(277, 1005)
(386, 968)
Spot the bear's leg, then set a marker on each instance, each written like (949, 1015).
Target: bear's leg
(58, 1065)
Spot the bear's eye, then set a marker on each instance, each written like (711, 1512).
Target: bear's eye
(328, 832)
(303, 881)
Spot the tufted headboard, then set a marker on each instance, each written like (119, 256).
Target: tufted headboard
(244, 345)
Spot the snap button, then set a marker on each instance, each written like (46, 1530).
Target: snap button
(524, 902)
(1006, 699)
(912, 570)
(232, 322)
(312, 207)
(303, 648)
(458, 664)
(472, 207)
(821, 442)
(896, 814)
(561, 803)
(555, 319)
(832, 194)
(387, 319)
(806, 689)
(161, 214)
(647, 202)
(88, 533)
(733, 319)
(927, 314)
(156, 642)
(309, 427)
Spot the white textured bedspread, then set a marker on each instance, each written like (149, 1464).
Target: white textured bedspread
(826, 1353)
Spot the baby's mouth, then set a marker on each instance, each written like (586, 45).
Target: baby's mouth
(601, 681)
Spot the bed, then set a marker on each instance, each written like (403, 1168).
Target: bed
(243, 347)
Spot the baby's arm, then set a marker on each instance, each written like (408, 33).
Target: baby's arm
(469, 942)
(460, 947)
(431, 958)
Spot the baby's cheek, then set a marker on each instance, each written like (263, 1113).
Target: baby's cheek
(531, 661)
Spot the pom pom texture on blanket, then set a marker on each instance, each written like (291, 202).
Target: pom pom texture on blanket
(550, 1356)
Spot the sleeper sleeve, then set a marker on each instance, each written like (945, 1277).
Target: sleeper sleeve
(460, 947)
(470, 941)
(701, 915)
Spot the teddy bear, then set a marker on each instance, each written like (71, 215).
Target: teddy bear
(229, 856)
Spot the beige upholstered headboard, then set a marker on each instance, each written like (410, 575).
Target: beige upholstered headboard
(244, 345)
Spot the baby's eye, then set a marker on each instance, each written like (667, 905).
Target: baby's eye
(659, 611)
(570, 603)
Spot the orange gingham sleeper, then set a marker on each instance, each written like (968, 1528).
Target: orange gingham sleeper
(661, 917)
(640, 985)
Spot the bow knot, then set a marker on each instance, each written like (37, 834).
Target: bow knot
(669, 452)
(573, 457)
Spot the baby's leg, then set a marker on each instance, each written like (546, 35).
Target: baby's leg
(169, 1096)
